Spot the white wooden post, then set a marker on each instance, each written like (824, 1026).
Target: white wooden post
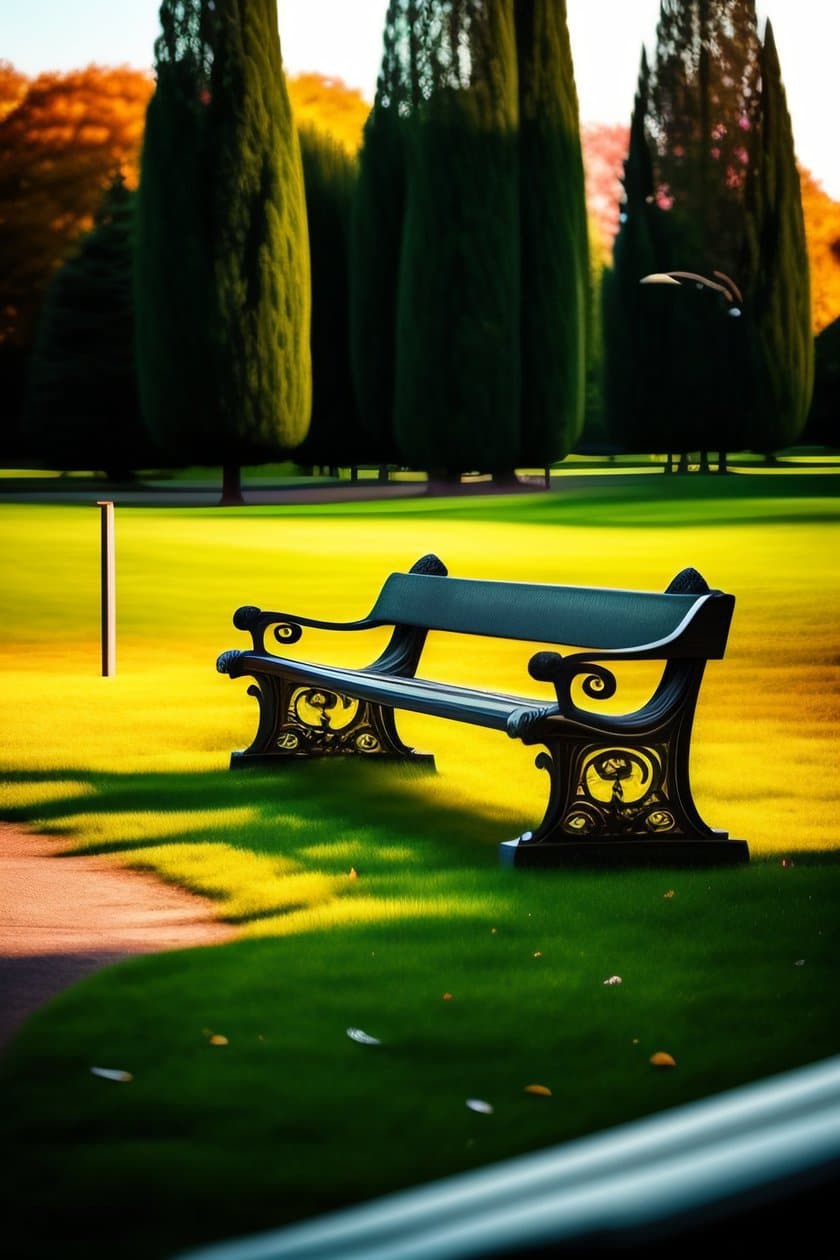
(108, 590)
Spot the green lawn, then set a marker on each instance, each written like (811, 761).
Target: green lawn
(732, 972)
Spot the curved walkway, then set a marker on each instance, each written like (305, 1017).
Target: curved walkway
(62, 918)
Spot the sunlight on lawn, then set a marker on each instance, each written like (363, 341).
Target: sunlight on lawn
(764, 748)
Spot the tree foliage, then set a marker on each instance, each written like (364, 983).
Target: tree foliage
(329, 106)
(778, 302)
(824, 416)
(82, 409)
(60, 147)
(222, 273)
(456, 401)
(329, 178)
(710, 188)
(554, 248)
(376, 235)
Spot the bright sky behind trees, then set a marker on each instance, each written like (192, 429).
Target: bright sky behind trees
(344, 38)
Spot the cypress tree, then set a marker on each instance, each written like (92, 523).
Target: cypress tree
(684, 373)
(335, 435)
(173, 274)
(553, 235)
(824, 416)
(634, 319)
(225, 372)
(457, 362)
(81, 403)
(376, 231)
(779, 300)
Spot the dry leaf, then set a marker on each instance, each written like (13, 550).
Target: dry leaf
(218, 1040)
(352, 873)
(663, 1059)
(112, 1074)
(447, 997)
(542, 1090)
(669, 893)
(613, 980)
(363, 1038)
(478, 1104)
(800, 962)
(538, 953)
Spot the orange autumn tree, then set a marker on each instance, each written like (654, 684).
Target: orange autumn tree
(328, 105)
(62, 142)
(13, 87)
(60, 148)
(822, 234)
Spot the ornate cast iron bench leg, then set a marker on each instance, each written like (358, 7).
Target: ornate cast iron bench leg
(620, 796)
(297, 721)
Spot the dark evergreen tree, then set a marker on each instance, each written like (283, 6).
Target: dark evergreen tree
(553, 236)
(335, 435)
(173, 276)
(634, 327)
(377, 226)
(701, 124)
(223, 265)
(81, 403)
(824, 417)
(457, 362)
(693, 369)
(776, 263)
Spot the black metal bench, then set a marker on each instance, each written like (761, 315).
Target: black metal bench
(619, 784)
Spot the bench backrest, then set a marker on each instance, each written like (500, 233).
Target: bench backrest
(575, 616)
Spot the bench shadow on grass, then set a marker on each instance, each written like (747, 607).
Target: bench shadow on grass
(308, 823)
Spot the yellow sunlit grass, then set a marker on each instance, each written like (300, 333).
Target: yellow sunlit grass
(764, 749)
(361, 909)
(245, 884)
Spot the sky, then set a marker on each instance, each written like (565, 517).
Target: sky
(343, 38)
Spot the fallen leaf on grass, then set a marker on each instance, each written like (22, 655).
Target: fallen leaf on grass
(538, 953)
(447, 997)
(613, 980)
(663, 1059)
(352, 873)
(800, 962)
(218, 1039)
(112, 1074)
(478, 1104)
(669, 893)
(363, 1038)
(542, 1090)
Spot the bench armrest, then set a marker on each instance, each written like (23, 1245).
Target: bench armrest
(288, 627)
(598, 682)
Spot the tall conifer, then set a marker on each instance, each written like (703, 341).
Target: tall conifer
(335, 436)
(223, 264)
(457, 364)
(776, 261)
(81, 404)
(553, 236)
(376, 230)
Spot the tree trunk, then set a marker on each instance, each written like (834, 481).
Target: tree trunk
(683, 464)
(231, 486)
(704, 462)
(669, 465)
(722, 466)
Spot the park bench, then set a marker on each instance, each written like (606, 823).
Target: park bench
(618, 784)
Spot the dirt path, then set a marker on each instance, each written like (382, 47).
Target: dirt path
(62, 918)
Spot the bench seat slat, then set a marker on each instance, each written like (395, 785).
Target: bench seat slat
(418, 695)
